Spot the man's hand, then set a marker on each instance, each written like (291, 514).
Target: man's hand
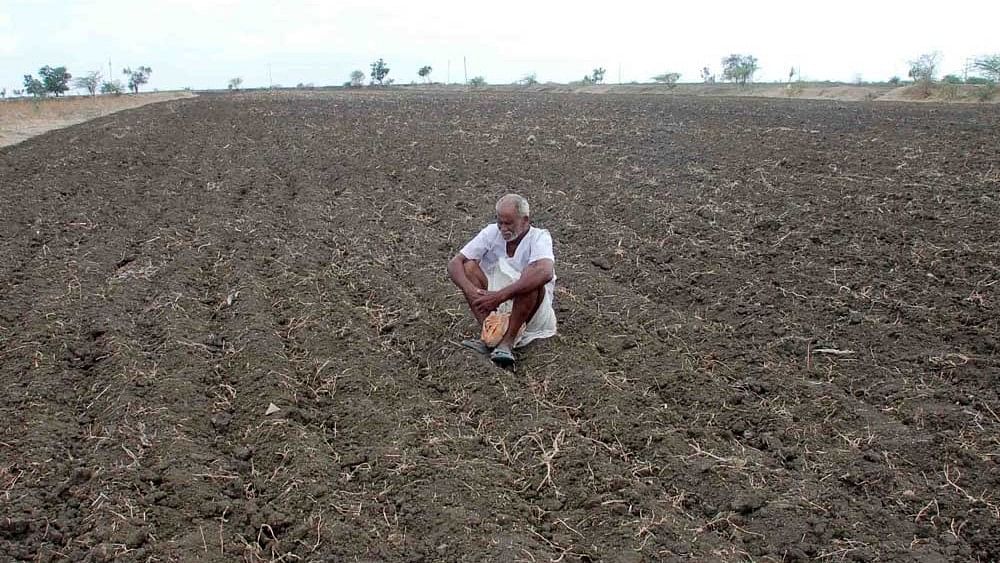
(473, 293)
(486, 302)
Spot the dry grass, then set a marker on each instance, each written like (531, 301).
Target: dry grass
(23, 118)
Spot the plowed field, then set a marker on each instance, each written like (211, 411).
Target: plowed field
(778, 332)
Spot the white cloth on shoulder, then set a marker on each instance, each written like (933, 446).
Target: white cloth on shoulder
(543, 324)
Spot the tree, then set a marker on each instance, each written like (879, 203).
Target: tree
(112, 87)
(425, 72)
(3, 93)
(668, 78)
(91, 82)
(924, 67)
(34, 86)
(739, 68)
(528, 80)
(706, 76)
(357, 79)
(989, 66)
(477, 82)
(137, 77)
(235, 83)
(598, 75)
(379, 71)
(55, 80)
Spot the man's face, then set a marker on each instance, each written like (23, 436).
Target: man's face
(511, 225)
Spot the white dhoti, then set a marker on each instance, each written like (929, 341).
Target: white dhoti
(543, 324)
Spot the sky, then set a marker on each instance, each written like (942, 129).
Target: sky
(202, 44)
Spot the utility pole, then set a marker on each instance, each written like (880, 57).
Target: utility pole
(465, 70)
(109, 70)
(619, 74)
(447, 79)
(270, 83)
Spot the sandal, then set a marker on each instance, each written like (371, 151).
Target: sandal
(503, 357)
(476, 345)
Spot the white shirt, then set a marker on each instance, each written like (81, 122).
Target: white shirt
(488, 247)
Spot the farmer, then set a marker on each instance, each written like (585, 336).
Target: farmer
(507, 276)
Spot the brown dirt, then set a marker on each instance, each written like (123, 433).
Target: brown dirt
(779, 332)
(21, 119)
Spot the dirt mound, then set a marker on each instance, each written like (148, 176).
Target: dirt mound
(22, 118)
(942, 92)
(779, 335)
(834, 91)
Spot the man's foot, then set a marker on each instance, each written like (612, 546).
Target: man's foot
(503, 357)
(476, 345)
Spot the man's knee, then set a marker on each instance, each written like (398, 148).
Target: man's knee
(474, 272)
(530, 301)
(532, 297)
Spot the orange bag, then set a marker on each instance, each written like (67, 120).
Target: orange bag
(494, 327)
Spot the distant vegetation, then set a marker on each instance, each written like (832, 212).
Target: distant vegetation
(113, 87)
(736, 68)
(528, 79)
(595, 77)
(739, 68)
(54, 80)
(668, 78)
(90, 82)
(924, 67)
(379, 71)
(137, 77)
(989, 66)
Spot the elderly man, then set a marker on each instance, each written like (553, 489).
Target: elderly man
(507, 272)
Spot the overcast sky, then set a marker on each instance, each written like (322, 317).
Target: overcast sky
(204, 43)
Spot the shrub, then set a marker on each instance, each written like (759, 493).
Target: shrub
(528, 80)
(477, 82)
(34, 86)
(739, 68)
(56, 80)
(137, 77)
(989, 66)
(112, 87)
(924, 67)
(379, 71)
(668, 78)
(91, 82)
(986, 92)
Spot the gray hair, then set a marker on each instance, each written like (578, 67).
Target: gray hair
(519, 202)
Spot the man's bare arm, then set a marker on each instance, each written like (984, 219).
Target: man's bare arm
(533, 277)
(456, 271)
